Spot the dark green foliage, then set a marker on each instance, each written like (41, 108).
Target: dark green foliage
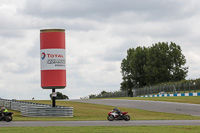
(103, 92)
(60, 96)
(108, 94)
(153, 65)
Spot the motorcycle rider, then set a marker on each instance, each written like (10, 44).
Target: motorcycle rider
(3, 110)
(117, 111)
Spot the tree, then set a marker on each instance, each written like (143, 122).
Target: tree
(60, 96)
(165, 63)
(149, 66)
(103, 92)
(158, 63)
(178, 71)
(133, 69)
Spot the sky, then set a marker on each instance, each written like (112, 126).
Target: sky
(98, 35)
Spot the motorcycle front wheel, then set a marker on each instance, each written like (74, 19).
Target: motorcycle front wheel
(127, 117)
(110, 118)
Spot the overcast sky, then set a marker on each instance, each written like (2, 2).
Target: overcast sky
(98, 34)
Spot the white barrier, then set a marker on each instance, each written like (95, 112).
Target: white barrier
(173, 95)
(30, 109)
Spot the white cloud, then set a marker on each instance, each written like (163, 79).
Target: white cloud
(98, 34)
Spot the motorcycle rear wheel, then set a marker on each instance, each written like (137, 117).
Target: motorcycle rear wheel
(8, 118)
(127, 117)
(110, 117)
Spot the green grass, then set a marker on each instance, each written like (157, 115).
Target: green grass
(105, 129)
(92, 112)
(183, 99)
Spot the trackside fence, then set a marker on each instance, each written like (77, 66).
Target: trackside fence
(170, 88)
(30, 109)
(181, 88)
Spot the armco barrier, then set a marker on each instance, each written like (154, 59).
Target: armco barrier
(173, 95)
(46, 111)
(30, 109)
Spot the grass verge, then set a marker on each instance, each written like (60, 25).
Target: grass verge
(110, 129)
(92, 112)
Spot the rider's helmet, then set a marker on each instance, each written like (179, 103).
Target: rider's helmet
(115, 109)
(3, 108)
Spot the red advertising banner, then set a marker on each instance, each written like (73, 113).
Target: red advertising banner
(52, 51)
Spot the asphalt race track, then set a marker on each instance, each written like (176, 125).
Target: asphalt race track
(158, 106)
(100, 123)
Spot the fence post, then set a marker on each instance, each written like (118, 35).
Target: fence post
(159, 87)
(189, 86)
(178, 88)
(174, 88)
(171, 88)
(163, 88)
(184, 87)
(150, 89)
(166, 88)
(146, 90)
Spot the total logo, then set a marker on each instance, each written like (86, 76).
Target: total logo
(55, 56)
(43, 55)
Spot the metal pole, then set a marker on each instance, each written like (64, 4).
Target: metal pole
(184, 87)
(53, 98)
(163, 89)
(174, 88)
(189, 86)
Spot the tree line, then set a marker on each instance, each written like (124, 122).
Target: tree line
(147, 66)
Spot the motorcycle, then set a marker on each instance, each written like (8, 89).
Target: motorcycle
(115, 116)
(6, 116)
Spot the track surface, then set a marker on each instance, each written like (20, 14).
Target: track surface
(158, 106)
(99, 123)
